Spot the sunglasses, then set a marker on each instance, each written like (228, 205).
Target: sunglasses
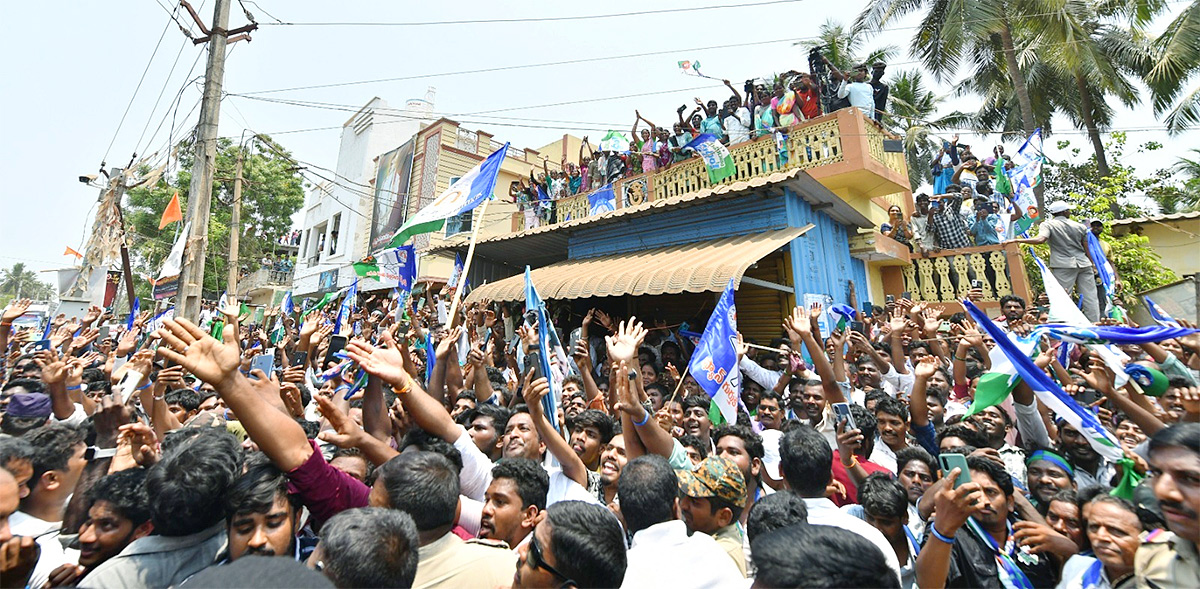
(536, 561)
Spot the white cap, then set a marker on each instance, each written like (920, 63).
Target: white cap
(770, 460)
(1061, 206)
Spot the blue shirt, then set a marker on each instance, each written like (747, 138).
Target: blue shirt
(984, 230)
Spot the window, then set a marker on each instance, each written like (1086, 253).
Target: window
(461, 223)
(333, 234)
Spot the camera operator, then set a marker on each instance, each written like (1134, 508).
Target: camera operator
(854, 87)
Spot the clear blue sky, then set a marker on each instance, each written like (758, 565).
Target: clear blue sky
(70, 68)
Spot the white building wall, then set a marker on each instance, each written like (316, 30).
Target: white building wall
(347, 199)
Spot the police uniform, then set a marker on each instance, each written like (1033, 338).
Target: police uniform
(1166, 560)
(451, 562)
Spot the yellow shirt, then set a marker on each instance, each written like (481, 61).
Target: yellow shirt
(449, 562)
(1165, 560)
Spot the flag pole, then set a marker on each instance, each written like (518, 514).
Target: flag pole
(462, 277)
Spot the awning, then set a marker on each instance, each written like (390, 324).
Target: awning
(694, 267)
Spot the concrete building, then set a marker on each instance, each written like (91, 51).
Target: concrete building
(337, 214)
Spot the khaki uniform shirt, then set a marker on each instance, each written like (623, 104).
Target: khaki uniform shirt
(1166, 560)
(730, 538)
(450, 562)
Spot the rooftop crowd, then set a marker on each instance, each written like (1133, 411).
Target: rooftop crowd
(762, 108)
(411, 447)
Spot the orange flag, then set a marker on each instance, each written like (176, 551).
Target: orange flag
(71, 252)
(172, 213)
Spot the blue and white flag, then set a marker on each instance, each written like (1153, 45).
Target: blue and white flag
(456, 273)
(1108, 274)
(463, 196)
(346, 309)
(1113, 334)
(546, 348)
(1159, 314)
(158, 320)
(602, 201)
(133, 312)
(714, 363)
(287, 307)
(1064, 310)
(1049, 393)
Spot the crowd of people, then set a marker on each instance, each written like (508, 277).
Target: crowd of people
(394, 443)
(762, 107)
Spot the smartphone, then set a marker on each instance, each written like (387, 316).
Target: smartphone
(977, 284)
(128, 384)
(944, 327)
(300, 359)
(487, 337)
(464, 348)
(337, 343)
(104, 332)
(534, 360)
(842, 411)
(906, 295)
(890, 299)
(949, 462)
(868, 309)
(263, 362)
(858, 326)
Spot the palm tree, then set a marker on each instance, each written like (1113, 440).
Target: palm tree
(18, 280)
(1175, 62)
(914, 114)
(956, 31)
(843, 48)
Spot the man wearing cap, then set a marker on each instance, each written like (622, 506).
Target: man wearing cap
(712, 498)
(1069, 260)
(25, 412)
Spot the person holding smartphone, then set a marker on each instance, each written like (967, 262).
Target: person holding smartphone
(976, 540)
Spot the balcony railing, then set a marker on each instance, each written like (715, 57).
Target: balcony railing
(830, 139)
(263, 278)
(945, 276)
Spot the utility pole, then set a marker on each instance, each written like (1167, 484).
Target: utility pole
(200, 192)
(235, 227)
(126, 271)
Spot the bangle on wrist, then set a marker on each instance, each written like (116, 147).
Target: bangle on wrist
(644, 421)
(960, 359)
(145, 386)
(853, 462)
(936, 534)
(75, 388)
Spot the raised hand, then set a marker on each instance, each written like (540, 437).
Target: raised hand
(201, 354)
(14, 310)
(798, 326)
(127, 342)
(954, 505)
(533, 393)
(931, 321)
(449, 342)
(83, 340)
(139, 441)
(347, 433)
(93, 313)
(386, 363)
(54, 368)
(740, 347)
(605, 320)
(926, 367)
(290, 394)
(624, 344)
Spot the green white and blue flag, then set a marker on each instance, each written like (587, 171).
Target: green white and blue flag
(1160, 315)
(463, 196)
(1048, 392)
(714, 363)
(716, 156)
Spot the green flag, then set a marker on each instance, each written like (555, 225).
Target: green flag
(998, 382)
(368, 267)
(1001, 185)
(329, 296)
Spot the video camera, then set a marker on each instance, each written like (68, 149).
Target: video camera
(820, 75)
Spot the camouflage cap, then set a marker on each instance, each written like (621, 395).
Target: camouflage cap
(715, 476)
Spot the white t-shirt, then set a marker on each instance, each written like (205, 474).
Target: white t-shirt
(737, 125)
(861, 95)
(823, 512)
(53, 554)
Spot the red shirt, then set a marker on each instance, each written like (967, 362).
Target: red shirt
(810, 103)
(840, 475)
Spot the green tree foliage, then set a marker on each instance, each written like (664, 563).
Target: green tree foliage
(1097, 197)
(21, 282)
(272, 191)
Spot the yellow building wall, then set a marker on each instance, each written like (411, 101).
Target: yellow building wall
(1177, 243)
